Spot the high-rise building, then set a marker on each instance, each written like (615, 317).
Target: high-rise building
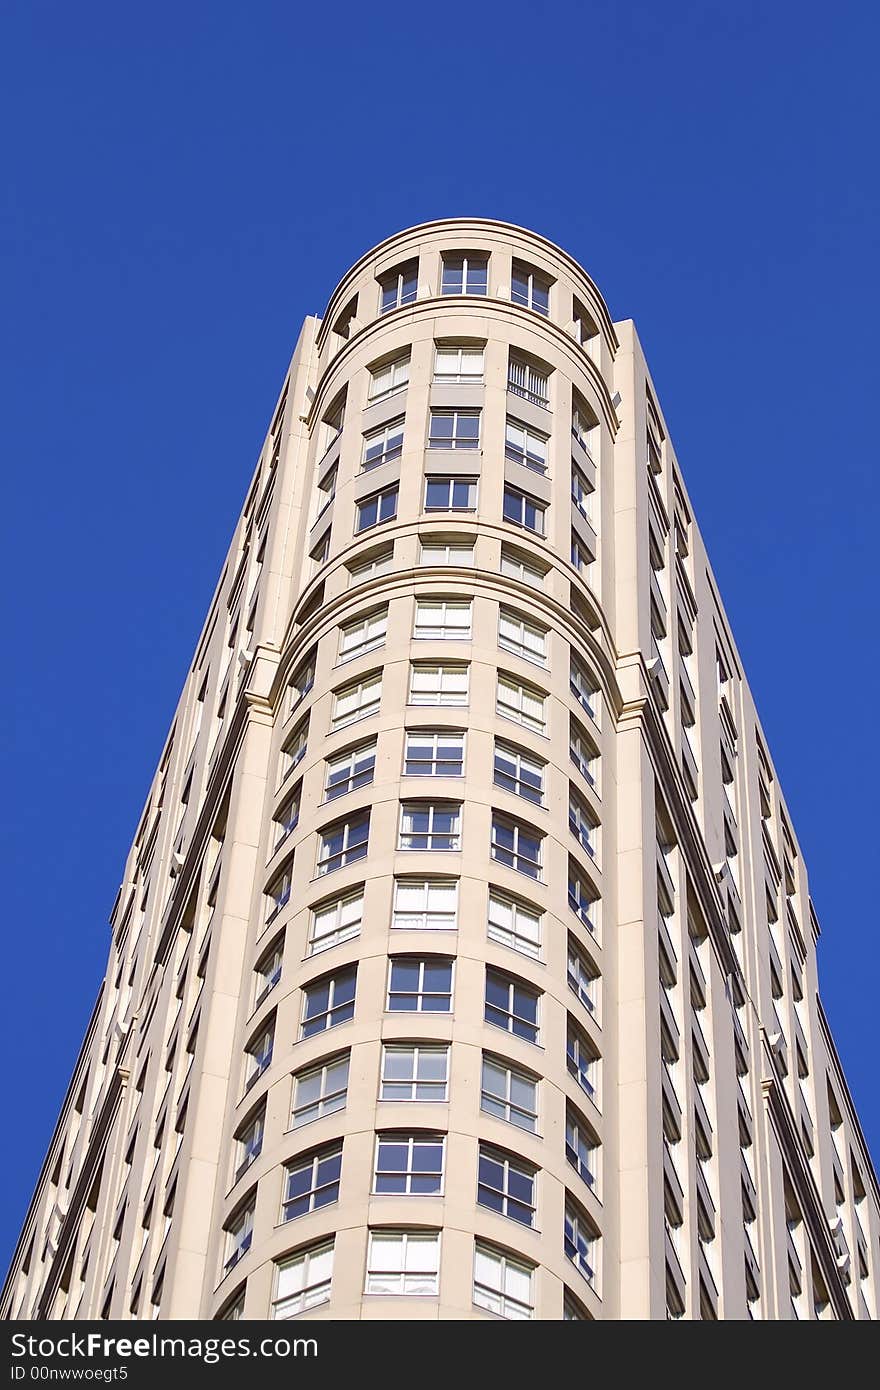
(464, 963)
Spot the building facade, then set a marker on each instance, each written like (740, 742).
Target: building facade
(464, 963)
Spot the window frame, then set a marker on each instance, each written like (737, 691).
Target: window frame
(511, 1073)
(498, 1300)
(344, 854)
(519, 645)
(435, 739)
(369, 643)
(377, 1281)
(520, 829)
(453, 482)
(518, 1024)
(510, 1165)
(456, 440)
(466, 260)
(439, 1093)
(442, 631)
(526, 944)
(420, 993)
(427, 913)
(380, 498)
(344, 931)
(536, 462)
(403, 359)
(320, 1103)
(412, 1140)
(443, 670)
(525, 501)
(356, 778)
(414, 807)
(332, 982)
(321, 1288)
(312, 1163)
(366, 682)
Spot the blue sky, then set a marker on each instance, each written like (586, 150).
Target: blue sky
(182, 184)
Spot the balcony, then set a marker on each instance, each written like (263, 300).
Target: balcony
(705, 1206)
(671, 1105)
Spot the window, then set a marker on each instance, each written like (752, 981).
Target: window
(377, 508)
(530, 288)
(454, 429)
(581, 823)
(343, 843)
(436, 552)
(320, 1091)
(312, 1182)
(398, 286)
(267, 971)
(286, 818)
(572, 1310)
(389, 377)
(502, 1285)
(414, 1072)
(525, 446)
(581, 428)
(509, 1094)
(519, 773)
(581, 752)
(301, 683)
(521, 567)
(514, 923)
(506, 1185)
(438, 684)
(376, 563)
(363, 635)
(465, 273)
(579, 1240)
(519, 635)
(420, 986)
(527, 381)
(335, 922)
(583, 688)
(521, 703)
(430, 825)
(239, 1234)
(523, 511)
(581, 558)
(431, 754)
(248, 1144)
(383, 445)
(342, 326)
(450, 494)
(278, 892)
(326, 492)
(458, 365)
(581, 491)
(580, 896)
(409, 1164)
(294, 749)
(511, 1005)
(328, 1002)
(580, 1146)
(404, 1262)
(357, 701)
(442, 619)
(318, 554)
(580, 1058)
(303, 1281)
(517, 845)
(425, 904)
(582, 976)
(352, 769)
(332, 423)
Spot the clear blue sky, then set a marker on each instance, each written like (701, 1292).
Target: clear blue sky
(183, 183)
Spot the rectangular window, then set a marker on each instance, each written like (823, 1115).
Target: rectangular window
(526, 639)
(248, 1144)
(581, 823)
(343, 843)
(430, 754)
(414, 1072)
(433, 552)
(583, 688)
(239, 1234)
(311, 1183)
(580, 896)
(326, 492)
(530, 288)
(382, 445)
(450, 494)
(376, 509)
(465, 273)
(514, 923)
(404, 1262)
(357, 701)
(521, 567)
(398, 286)
(352, 769)
(318, 554)
(582, 976)
(303, 1281)
(267, 971)
(420, 986)
(430, 825)
(506, 1185)
(527, 381)
(454, 429)
(580, 557)
(511, 1005)
(328, 1002)
(581, 429)
(509, 1094)
(409, 1164)
(581, 491)
(335, 922)
(525, 446)
(581, 752)
(301, 683)
(516, 844)
(438, 685)
(581, 1060)
(278, 892)
(425, 904)
(286, 818)
(578, 1241)
(519, 773)
(458, 365)
(363, 635)
(524, 511)
(521, 703)
(320, 1091)
(258, 1055)
(442, 620)
(503, 1285)
(294, 749)
(390, 377)
(580, 1147)
(378, 562)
